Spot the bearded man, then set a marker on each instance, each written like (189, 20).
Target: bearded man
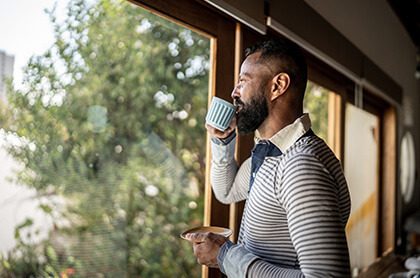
(297, 199)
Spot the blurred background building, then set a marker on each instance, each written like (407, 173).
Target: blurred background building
(6, 71)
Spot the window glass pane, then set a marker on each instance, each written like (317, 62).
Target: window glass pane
(107, 135)
(316, 104)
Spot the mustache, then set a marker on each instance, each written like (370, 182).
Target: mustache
(238, 102)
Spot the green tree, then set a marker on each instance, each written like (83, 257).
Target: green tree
(110, 118)
(316, 104)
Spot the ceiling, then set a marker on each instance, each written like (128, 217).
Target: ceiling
(408, 11)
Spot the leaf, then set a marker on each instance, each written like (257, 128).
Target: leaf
(45, 208)
(26, 223)
(6, 264)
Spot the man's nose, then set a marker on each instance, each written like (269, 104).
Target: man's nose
(235, 93)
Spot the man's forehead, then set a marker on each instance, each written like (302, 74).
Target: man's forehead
(253, 64)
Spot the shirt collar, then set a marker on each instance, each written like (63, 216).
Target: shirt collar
(289, 134)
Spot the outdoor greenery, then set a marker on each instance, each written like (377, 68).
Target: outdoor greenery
(316, 104)
(109, 129)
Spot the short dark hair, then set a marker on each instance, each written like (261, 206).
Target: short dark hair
(290, 58)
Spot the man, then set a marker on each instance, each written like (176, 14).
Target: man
(297, 199)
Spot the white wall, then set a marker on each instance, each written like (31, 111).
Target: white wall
(17, 203)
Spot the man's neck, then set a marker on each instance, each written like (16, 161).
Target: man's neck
(275, 122)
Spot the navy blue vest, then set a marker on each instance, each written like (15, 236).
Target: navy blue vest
(262, 149)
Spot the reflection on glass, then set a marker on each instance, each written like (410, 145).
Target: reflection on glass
(109, 131)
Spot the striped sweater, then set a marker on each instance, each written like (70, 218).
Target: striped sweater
(295, 215)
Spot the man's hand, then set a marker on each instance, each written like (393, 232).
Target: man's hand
(214, 132)
(206, 247)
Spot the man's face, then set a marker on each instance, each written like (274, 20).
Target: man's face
(252, 113)
(250, 95)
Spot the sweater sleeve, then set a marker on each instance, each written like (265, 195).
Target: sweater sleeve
(230, 183)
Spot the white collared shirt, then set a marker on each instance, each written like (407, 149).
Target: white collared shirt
(288, 135)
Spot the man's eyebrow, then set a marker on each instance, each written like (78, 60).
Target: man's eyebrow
(245, 74)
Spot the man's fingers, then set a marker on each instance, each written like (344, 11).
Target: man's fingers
(206, 247)
(214, 132)
(196, 237)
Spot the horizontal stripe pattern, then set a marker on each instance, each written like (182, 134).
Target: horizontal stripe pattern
(295, 214)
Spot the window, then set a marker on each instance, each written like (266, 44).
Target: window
(109, 133)
(370, 169)
(316, 104)
(323, 106)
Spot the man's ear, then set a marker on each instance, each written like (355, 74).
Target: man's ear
(280, 84)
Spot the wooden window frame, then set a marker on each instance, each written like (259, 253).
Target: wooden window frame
(387, 206)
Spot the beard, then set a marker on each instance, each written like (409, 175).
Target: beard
(250, 116)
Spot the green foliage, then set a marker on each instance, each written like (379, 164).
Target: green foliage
(111, 120)
(316, 104)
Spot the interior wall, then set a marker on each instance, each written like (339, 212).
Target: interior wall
(373, 27)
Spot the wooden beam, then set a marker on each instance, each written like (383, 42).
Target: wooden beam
(334, 123)
(389, 178)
